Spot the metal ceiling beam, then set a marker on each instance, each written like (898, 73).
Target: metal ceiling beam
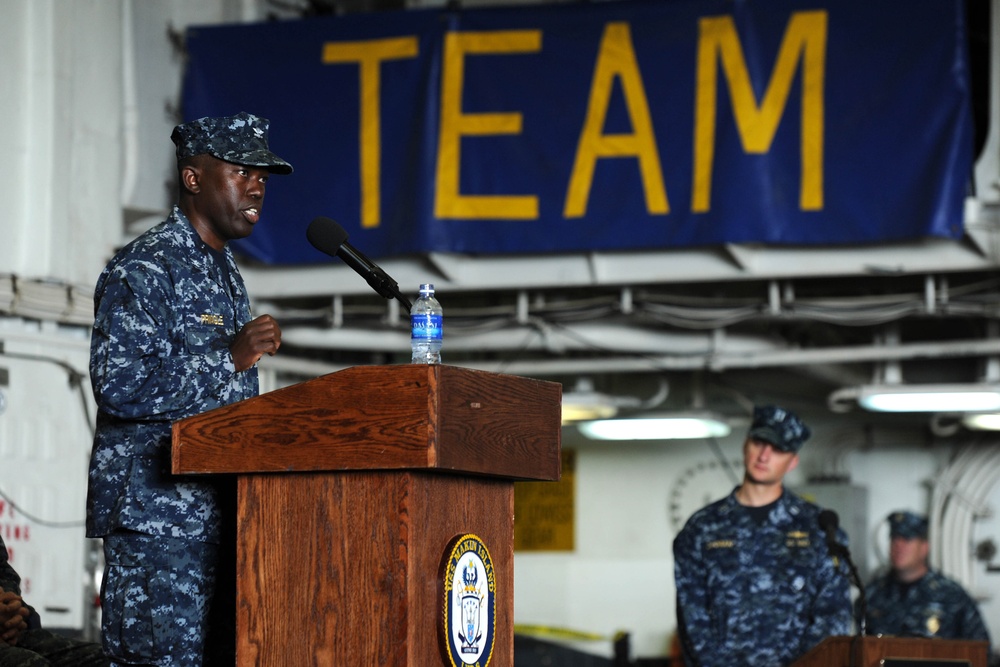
(979, 251)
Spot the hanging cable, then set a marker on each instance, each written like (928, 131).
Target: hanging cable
(76, 381)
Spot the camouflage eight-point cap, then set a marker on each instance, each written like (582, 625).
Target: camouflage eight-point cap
(907, 525)
(780, 427)
(240, 139)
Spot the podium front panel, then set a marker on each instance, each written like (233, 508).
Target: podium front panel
(346, 568)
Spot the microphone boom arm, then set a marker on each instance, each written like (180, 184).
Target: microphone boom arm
(328, 237)
(378, 279)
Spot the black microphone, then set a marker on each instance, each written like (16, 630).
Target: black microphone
(328, 237)
(829, 522)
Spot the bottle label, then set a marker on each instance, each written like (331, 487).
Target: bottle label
(427, 326)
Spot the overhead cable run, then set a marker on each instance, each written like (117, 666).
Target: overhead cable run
(46, 300)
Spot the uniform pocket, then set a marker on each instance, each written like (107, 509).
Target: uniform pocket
(202, 339)
(130, 630)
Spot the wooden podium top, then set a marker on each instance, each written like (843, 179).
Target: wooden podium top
(872, 651)
(408, 416)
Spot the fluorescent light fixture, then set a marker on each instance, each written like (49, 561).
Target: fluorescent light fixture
(578, 412)
(584, 403)
(988, 421)
(931, 398)
(664, 427)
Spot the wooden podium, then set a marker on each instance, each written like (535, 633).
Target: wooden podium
(351, 490)
(884, 650)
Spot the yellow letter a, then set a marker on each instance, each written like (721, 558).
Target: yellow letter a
(616, 60)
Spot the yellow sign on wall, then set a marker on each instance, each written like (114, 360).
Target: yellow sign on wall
(544, 512)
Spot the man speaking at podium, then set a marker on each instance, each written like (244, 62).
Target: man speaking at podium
(173, 336)
(756, 586)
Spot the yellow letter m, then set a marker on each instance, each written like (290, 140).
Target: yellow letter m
(805, 41)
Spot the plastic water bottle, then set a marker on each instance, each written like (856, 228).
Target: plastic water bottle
(426, 327)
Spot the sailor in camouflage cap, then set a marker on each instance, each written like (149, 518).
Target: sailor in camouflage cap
(913, 600)
(174, 336)
(240, 139)
(755, 581)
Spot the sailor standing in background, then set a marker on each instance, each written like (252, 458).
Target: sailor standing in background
(756, 585)
(912, 600)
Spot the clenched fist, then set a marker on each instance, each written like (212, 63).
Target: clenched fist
(258, 337)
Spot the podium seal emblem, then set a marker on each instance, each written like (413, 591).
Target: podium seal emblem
(469, 603)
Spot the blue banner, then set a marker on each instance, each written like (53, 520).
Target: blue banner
(600, 126)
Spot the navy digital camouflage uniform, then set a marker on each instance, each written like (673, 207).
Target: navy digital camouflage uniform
(758, 594)
(166, 312)
(932, 606)
(165, 316)
(751, 594)
(164, 319)
(37, 647)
